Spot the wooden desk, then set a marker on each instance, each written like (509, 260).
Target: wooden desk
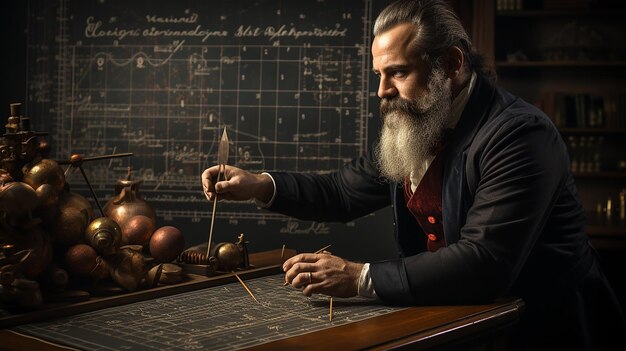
(437, 327)
(433, 327)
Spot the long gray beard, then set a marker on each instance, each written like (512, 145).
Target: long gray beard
(412, 129)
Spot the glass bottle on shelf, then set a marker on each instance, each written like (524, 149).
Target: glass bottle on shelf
(582, 154)
(573, 153)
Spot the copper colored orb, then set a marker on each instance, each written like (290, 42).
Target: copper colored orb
(69, 226)
(137, 230)
(75, 200)
(76, 160)
(166, 243)
(74, 214)
(81, 259)
(44, 148)
(47, 195)
(17, 199)
(102, 269)
(47, 171)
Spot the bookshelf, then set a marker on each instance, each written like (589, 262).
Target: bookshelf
(568, 57)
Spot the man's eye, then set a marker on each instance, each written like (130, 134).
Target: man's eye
(399, 74)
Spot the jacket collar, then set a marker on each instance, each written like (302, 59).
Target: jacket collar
(473, 116)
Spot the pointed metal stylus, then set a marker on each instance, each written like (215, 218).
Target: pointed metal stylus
(222, 160)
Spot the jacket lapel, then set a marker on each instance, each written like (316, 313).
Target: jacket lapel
(455, 195)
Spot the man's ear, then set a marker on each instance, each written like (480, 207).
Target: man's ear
(453, 62)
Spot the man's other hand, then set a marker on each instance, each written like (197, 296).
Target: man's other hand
(323, 274)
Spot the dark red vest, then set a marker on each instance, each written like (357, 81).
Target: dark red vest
(425, 203)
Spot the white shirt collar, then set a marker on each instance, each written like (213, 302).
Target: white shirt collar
(460, 101)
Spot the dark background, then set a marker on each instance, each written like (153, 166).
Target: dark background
(14, 39)
(366, 239)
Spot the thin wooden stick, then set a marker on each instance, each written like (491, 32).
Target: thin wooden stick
(282, 254)
(331, 309)
(95, 158)
(93, 193)
(245, 286)
(208, 246)
(222, 160)
(322, 249)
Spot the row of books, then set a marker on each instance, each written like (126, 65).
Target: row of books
(509, 5)
(587, 154)
(595, 153)
(516, 5)
(569, 110)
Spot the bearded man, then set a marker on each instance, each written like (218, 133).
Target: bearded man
(484, 203)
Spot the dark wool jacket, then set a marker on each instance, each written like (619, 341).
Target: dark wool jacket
(512, 220)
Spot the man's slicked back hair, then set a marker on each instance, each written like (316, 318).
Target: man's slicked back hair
(437, 27)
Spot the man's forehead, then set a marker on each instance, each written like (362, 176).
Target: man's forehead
(400, 36)
(395, 47)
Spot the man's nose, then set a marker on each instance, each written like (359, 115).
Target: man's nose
(386, 89)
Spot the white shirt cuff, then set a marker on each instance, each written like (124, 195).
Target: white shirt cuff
(365, 286)
(262, 204)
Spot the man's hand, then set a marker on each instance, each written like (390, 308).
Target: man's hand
(323, 274)
(236, 184)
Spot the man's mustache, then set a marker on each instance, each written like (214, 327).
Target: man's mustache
(400, 104)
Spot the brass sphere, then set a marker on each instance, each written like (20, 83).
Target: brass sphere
(46, 171)
(228, 256)
(104, 235)
(47, 195)
(74, 214)
(17, 199)
(166, 243)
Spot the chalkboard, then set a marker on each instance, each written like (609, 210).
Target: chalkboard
(290, 80)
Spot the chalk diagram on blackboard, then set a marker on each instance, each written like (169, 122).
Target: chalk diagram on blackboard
(288, 79)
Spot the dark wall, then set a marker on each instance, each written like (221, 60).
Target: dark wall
(14, 68)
